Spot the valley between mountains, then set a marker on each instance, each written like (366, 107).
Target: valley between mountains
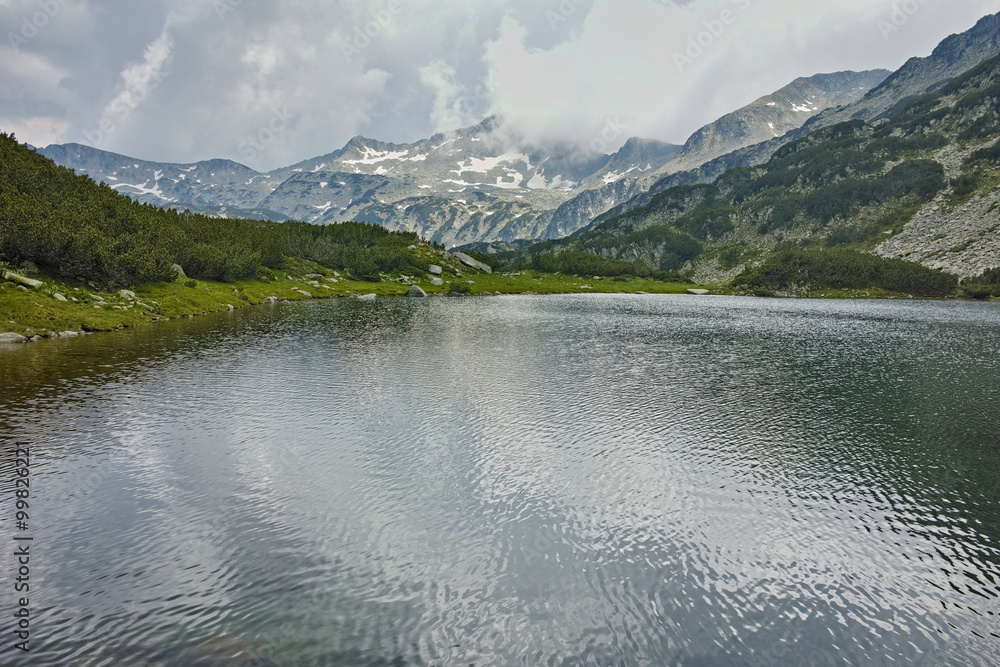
(864, 183)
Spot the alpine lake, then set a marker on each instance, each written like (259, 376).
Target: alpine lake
(518, 480)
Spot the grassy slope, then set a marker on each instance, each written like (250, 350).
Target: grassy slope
(38, 312)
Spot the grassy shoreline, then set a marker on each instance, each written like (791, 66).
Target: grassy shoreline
(39, 312)
(32, 312)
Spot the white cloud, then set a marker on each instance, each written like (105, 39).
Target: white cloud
(424, 67)
(139, 81)
(446, 113)
(664, 69)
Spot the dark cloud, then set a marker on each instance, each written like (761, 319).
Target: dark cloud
(271, 83)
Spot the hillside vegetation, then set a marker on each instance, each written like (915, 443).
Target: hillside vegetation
(69, 247)
(850, 186)
(71, 227)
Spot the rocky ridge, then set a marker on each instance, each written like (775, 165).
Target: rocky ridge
(483, 183)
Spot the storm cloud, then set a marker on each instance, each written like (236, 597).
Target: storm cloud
(270, 83)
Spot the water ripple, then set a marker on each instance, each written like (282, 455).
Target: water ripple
(583, 480)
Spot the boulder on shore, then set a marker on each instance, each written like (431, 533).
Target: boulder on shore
(435, 269)
(12, 338)
(367, 297)
(698, 292)
(21, 280)
(471, 262)
(416, 292)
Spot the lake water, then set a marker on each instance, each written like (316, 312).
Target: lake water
(579, 480)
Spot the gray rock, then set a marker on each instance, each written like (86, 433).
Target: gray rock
(698, 292)
(21, 280)
(416, 291)
(437, 282)
(59, 297)
(368, 297)
(435, 269)
(304, 293)
(230, 307)
(314, 276)
(271, 300)
(29, 266)
(474, 263)
(12, 338)
(179, 270)
(126, 294)
(68, 334)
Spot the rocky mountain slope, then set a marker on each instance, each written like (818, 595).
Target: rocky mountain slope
(774, 115)
(923, 185)
(953, 56)
(484, 183)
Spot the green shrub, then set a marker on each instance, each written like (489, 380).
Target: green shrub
(840, 268)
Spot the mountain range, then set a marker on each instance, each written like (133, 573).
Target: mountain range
(921, 183)
(826, 160)
(483, 183)
(955, 55)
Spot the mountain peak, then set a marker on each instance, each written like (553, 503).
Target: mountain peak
(770, 116)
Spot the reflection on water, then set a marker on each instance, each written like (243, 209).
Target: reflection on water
(528, 480)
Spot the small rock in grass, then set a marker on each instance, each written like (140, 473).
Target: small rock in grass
(21, 280)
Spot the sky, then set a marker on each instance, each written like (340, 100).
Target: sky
(269, 83)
